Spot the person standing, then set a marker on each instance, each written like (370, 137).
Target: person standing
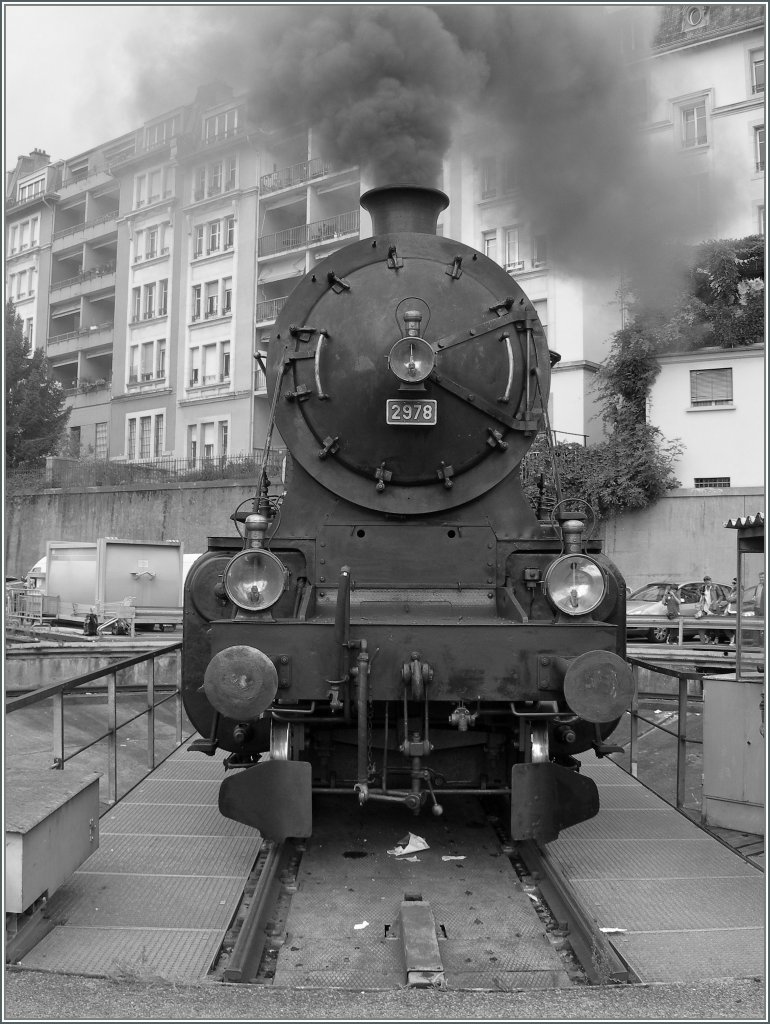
(759, 606)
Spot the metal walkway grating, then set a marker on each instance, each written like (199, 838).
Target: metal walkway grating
(156, 898)
(687, 908)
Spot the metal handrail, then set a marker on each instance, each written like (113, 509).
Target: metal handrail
(57, 692)
(680, 735)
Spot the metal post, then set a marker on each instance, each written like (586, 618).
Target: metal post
(681, 749)
(112, 737)
(179, 704)
(58, 730)
(634, 738)
(151, 717)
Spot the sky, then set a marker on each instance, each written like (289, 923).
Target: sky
(67, 72)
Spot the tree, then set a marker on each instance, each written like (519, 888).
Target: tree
(35, 416)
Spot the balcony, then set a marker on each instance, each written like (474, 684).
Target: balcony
(147, 381)
(290, 177)
(309, 234)
(269, 309)
(81, 339)
(97, 274)
(93, 227)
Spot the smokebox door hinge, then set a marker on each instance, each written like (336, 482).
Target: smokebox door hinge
(331, 445)
(394, 260)
(456, 269)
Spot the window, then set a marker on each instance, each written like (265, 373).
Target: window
(227, 295)
(229, 231)
(12, 236)
(150, 429)
(489, 244)
(539, 250)
(224, 430)
(136, 304)
(260, 380)
(212, 298)
(155, 186)
(488, 177)
(139, 195)
(200, 183)
(151, 243)
(145, 427)
(224, 361)
(509, 172)
(694, 125)
(160, 359)
(196, 302)
(757, 72)
(200, 234)
(29, 330)
(695, 17)
(146, 360)
(157, 448)
(711, 387)
(214, 235)
(220, 126)
(75, 441)
(192, 442)
(149, 301)
(195, 367)
(761, 220)
(209, 360)
(207, 431)
(159, 133)
(512, 250)
(712, 481)
(759, 148)
(31, 189)
(133, 364)
(215, 179)
(100, 443)
(163, 297)
(230, 169)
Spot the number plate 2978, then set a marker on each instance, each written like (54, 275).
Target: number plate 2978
(401, 412)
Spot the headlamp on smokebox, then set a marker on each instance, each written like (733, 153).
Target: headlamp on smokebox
(255, 579)
(411, 359)
(575, 584)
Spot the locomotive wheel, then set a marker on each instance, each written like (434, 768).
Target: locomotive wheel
(281, 741)
(539, 742)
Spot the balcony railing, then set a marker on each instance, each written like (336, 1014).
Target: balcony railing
(81, 332)
(269, 309)
(309, 234)
(84, 275)
(288, 177)
(83, 225)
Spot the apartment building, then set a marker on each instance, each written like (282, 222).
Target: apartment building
(161, 258)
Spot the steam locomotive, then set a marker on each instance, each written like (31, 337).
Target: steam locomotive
(403, 626)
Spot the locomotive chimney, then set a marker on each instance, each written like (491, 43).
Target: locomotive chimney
(397, 208)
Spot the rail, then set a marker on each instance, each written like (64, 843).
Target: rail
(689, 623)
(156, 698)
(309, 234)
(683, 677)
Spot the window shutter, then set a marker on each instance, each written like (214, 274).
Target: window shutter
(711, 387)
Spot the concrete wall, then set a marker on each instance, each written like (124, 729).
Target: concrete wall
(681, 536)
(186, 512)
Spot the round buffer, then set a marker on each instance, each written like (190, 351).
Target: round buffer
(598, 686)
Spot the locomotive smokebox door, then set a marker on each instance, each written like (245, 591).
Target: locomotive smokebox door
(274, 797)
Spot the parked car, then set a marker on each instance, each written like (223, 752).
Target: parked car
(748, 606)
(648, 600)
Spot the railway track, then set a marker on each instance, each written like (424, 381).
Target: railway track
(470, 911)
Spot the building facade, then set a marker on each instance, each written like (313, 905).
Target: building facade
(152, 268)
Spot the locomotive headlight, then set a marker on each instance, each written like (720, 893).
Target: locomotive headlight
(575, 584)
(411, 359)
(254, 579)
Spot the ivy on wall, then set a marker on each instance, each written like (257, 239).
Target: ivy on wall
(709, 296)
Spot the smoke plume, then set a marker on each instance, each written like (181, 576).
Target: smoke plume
(388, 87)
